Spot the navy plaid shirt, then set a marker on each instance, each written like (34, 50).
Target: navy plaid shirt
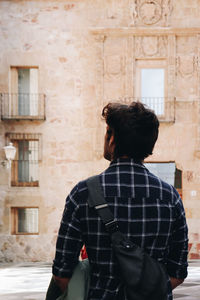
(148, 211)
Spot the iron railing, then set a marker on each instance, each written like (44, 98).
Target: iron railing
(164, 107)
(24, 106)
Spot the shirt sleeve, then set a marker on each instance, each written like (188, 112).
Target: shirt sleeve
(178, 251)
(69, 240)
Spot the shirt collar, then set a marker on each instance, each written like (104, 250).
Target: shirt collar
(125, 161)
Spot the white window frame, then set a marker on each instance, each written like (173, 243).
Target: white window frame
(151, 64)
(33, 96)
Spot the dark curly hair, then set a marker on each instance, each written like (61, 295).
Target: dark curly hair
(135, 129)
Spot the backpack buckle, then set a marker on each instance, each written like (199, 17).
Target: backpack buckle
(112, 226)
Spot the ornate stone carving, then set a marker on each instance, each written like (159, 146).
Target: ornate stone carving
(186, 65)
(163, 42)
(186, 45)
(150, 12)
(151, 46)
(167, 10)
(113, 65)
(133, 12)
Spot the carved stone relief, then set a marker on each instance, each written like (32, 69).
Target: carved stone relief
(150, 12)
(113, 66)
(114, 79)
(186, 76)
(133, 12)
(166, 11)
(151, 46)
(186, 65)
(186, 45)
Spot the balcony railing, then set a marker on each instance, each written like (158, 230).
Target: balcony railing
(162, 106)
(22, 106)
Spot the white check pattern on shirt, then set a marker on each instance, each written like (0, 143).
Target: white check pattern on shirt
(148, 211)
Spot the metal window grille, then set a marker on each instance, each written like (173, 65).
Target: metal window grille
(13, 136)
(24, 102)
(23, 106)
(164, 107)
(25, 167)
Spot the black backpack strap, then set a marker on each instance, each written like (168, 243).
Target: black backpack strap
(96, 200)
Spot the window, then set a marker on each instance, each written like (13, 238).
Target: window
(24, 91)
(167, 172)
(151, 84)
(25, 167)
(24, 220)
(152, 89)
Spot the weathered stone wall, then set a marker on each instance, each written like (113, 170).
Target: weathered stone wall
(88, 53)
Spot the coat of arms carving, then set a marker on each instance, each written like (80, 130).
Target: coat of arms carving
(186, 65)
(151, 46)
(150, 12)
(113, 65)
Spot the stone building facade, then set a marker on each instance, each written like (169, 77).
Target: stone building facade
(61, 61)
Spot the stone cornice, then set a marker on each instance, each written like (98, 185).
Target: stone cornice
(125, 31)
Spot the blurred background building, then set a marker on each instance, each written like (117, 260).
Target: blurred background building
(60, 63)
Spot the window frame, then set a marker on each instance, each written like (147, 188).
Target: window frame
(15, 138)
(151, 64)
(14, 99)
(15, 220)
